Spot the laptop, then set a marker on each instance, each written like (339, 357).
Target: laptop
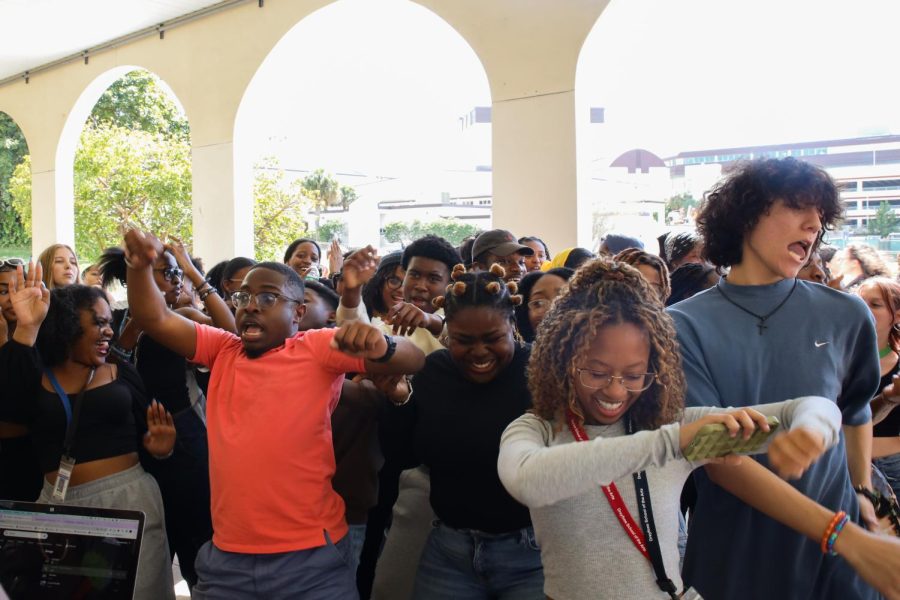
(55, 552)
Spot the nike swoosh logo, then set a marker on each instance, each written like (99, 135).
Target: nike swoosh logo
(820, 344)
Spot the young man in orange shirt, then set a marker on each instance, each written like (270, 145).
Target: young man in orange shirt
(279, 527)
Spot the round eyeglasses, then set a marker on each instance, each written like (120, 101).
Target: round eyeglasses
(393, 282)
(598, 380)
(264, 300)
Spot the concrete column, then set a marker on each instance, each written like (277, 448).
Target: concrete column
(222, 202)
(52, 213)
(535, 191)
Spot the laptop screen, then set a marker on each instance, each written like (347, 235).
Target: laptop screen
(57, 551)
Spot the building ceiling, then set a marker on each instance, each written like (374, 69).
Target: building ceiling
(38, 32)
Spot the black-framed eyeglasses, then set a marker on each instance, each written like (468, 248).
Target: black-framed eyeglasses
(11, 262)
(173, 274)
(393, 282)
(264, 300)
(598, 380)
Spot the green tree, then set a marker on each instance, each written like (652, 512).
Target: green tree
(884, 222)
(13, 151)
(279, 211)
(137, 101)
(452, 230)
(20, 192)
(396, 233)
(348, 196)
(682, 203)
(132, 167)
(331, 229)
(322, 190)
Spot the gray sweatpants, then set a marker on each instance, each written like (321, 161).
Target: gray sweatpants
(132, 489)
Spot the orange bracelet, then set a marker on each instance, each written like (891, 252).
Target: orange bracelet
(830, 529)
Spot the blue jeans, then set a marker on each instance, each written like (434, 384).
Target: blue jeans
(355, 538)
(314, 574)
(460, 564)
(890, 466)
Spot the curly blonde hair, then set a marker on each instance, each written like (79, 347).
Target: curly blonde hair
(604, 292)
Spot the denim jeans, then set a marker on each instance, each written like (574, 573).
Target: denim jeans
(355, 539)
(460, 564)
(890, 466)
(314, 574)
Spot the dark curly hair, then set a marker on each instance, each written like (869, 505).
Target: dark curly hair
(485, 288)
(601, 293)
(635, 257)
(433, 247)
(526, 284)
(678, 245)
(62, 327)
(371, 292)
(733, 208)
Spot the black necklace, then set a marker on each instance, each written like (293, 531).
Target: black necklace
(762, 318)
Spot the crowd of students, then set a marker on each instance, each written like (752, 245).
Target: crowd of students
(483, 421)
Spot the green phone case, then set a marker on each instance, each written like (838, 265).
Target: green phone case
(713, 441)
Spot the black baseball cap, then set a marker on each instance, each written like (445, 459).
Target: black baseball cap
(499, 242)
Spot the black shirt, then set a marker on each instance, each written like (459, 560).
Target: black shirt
(112, 420)
(453, 426)
(890, 426)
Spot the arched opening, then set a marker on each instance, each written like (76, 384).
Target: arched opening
(128, 140)
(368, 121)
(728, 82)
(15, 191)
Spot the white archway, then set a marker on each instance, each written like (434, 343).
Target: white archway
(372, 136)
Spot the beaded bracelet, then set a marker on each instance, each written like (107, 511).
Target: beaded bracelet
(834, 534)
(830, 529)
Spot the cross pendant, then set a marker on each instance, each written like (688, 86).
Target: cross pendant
(761, 325)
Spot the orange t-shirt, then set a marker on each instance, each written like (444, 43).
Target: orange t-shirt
(271, 457)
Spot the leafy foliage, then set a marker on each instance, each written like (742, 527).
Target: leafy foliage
(126, 177)
(329, 230)
(884, 222)
(132, 167)
(137, 101)
(13, 151)
(279, 211)
(452, 230)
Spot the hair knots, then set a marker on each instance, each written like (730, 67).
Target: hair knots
(458, 272)
(498, 271)
(516, 299)
(438, 302)
(458, 288)
(512, 286)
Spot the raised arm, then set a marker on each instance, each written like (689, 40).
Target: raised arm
(219, 314)
(358, 268)
(147, 306)
(30, 300)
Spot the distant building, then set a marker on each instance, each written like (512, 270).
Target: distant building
(866, 169)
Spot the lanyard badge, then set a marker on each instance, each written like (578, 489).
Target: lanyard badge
(63, 476)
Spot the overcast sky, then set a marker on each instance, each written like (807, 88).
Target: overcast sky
(377, 85)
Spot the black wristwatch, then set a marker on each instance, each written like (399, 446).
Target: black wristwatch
(391, 348)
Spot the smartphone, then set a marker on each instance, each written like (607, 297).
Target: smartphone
(713, 441)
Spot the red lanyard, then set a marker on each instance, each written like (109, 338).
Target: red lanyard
(637, 534)
(612, 495)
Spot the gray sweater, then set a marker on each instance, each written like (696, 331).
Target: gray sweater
(584, 550)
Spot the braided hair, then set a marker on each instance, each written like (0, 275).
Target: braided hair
(635, 257)
(601, 293)
(485, 288)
